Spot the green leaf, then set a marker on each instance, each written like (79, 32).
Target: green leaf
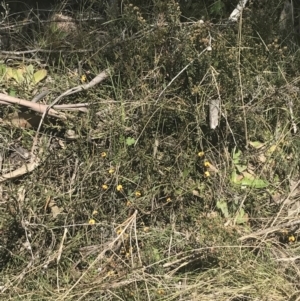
(256, 144)
(155, 255)
(241, 217)
(248, 180)
(2, 69)
(130, 141)
(257, 183)
(39, 76)
(12, 92)
(8, 73)
(29, 69)
(222, 205)
(236, 157)
(241, 168)
(17, 75)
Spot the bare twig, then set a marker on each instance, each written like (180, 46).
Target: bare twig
(270, 230)
(96, 80)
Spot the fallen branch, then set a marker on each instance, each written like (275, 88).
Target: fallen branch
(37, 107)
(67, 107)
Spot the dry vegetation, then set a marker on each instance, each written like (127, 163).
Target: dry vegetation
(134, 196)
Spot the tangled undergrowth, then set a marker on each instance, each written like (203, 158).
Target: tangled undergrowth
(137, 197)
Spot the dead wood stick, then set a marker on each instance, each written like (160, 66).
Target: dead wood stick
(67, 107)
(37, 107)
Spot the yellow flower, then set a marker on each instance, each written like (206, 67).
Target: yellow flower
(95, 212)
(104, 187)
(119, 231)
(169, 200)
(128, 204)
(111, 171)
(138, 194)
(206, 174)
(119, 187)
(92, 221)
(292, 238)
(83, 78)
(206, 164)
(103, 154)
(160, 292)
(201, 154)
(110, 273)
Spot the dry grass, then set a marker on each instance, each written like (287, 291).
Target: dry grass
(127, 211)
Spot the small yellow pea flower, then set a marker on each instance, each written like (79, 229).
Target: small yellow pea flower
(128, 204)
(104, 187)
(119, 187)
(206, 174)
(111, 171)
(83, 78)
(103, 154)
(160, 292)
(206, 164)
(119, 231)
(92, 221)
(201, 154)
(169, 200)
(292, 238)
(95, 212)
(138, 194)
(110, 273)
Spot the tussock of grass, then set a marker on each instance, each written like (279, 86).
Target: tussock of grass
(127, 210)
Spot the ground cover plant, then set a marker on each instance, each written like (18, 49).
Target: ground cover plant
(128, 188)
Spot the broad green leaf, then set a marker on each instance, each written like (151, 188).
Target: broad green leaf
(185, 173)
(39, 76)
(17, 75)
(242, 217)
(256, 144)
(130, 141)
(251, 181)
(236, 157)
(248, 180)
(241, 168)
(222, 205)
(272, 149)
(9, 73)
(29, 69)
(257, 183)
